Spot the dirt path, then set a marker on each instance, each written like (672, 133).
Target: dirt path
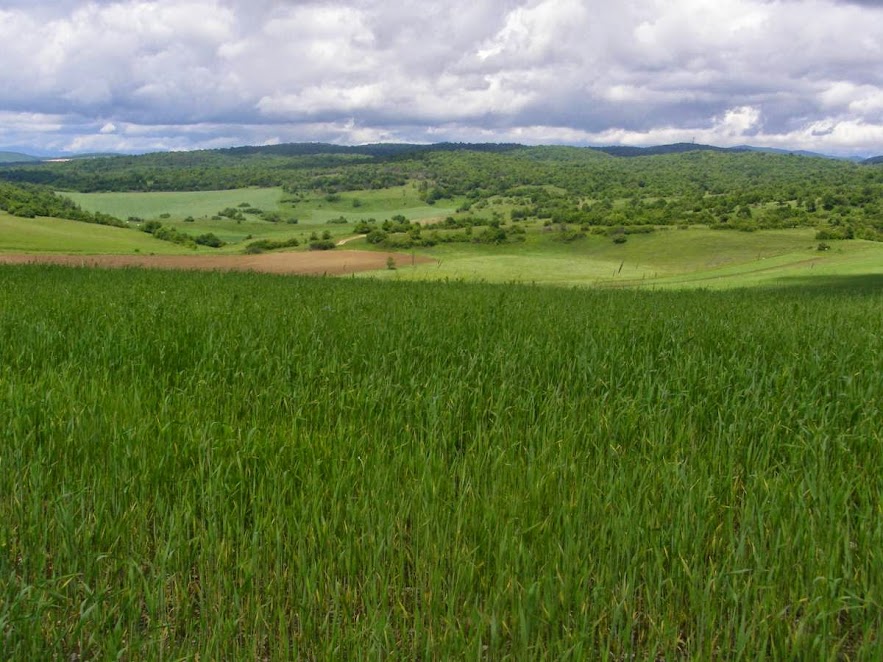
(313, 262)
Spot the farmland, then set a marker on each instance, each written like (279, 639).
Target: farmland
(247, 466)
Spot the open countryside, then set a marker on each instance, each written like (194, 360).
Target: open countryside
(541, 403)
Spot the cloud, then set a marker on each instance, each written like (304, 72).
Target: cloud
(194, 73)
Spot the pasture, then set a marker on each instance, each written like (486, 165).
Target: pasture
(55, 235)
(247, 466)
(667, 258)
(179, 205)
(298, 216)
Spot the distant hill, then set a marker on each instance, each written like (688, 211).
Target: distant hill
(377, 150)
(15, 157)
(876, 160)
(774, 150)
(675, 148)
(680, 148)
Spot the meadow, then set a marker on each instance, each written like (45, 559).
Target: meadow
(55, 235)
(242, 466)
(297, 217)
(688, 256)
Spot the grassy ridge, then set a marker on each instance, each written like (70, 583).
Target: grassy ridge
(55, 235)
(244, 466)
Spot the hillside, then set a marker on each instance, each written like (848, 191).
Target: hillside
(475, 195)
(16, 157)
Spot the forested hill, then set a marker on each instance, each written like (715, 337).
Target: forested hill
(15, 157)
(30, 201)
(477, 171)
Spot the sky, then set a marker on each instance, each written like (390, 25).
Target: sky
(82, 76)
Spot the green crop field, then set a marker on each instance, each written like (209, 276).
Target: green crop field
(242, 466)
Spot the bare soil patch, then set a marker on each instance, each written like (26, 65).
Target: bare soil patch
(312, 263)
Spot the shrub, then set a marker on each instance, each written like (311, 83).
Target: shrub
(209, 239)
(270, 244)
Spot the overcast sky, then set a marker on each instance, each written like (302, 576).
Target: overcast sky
(143, 75)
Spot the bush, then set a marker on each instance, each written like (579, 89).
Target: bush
(322, 245)
(376, 237)
(270, 244)
(209, 239)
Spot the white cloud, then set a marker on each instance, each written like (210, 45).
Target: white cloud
(198, 71)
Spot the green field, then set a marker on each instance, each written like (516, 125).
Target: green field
(54, 235)
(150, 206)
(668, 258)
(238, 466)
(312, 212)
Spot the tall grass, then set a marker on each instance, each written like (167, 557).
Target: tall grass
(243, 466)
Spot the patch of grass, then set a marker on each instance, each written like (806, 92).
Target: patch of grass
(53, 235)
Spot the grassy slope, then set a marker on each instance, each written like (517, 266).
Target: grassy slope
(667, 258)
(53, 235)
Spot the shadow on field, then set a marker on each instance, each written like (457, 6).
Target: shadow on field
(851, 284)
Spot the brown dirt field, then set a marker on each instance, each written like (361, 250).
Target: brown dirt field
(313, 262)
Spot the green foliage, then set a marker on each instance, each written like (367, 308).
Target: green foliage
(236, 466)
(28, 201)
(322, 244)
(263, 245)
(209, 239)
(168, 233)
(834, 233)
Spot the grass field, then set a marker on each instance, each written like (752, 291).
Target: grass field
(665, 259)
(178, 205)
(313, 213)
(53, 235)
(241, 466)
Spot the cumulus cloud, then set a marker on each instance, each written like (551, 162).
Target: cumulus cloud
(138, 75)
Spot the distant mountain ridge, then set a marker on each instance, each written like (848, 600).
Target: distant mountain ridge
(680, 148)
(16, 157)
(396, 150)
(388, 150)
